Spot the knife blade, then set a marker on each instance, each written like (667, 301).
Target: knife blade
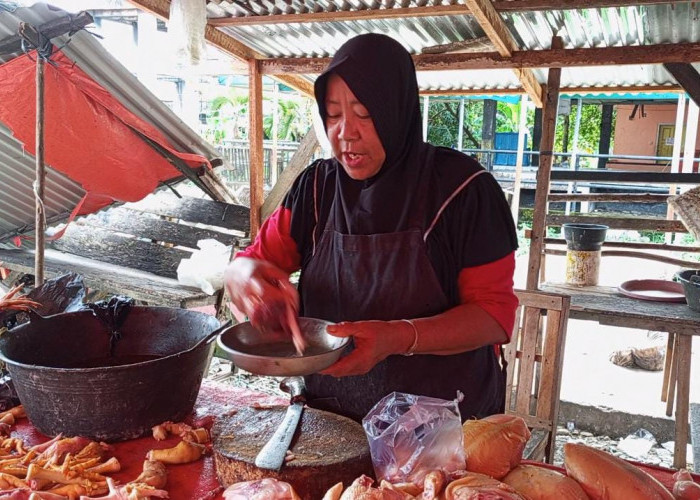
(272, 455)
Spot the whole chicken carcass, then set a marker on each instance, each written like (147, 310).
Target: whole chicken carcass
(538, 483)
(475, 486)
(494, 445)
(606, 477)
(261, 489)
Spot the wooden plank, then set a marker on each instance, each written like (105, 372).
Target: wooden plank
(649, 224)
(549, 122)
(299, 161)
(630, 244)
(547, 58)
(610, 197)
(209, 212)
(607, 306)
(625, 177)
(255, 134)
(341, 15)
(685, 346)
(535, 446)
(530, 5)
(155, 290)
(672, 378)
(668, 359)
(123, 220)
(688, 77)
(106, 246)
(526, 376)
(541, 300)
(510, 354)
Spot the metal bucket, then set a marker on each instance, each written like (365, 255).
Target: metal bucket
(59, 367)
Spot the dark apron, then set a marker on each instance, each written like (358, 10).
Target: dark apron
(388, 276)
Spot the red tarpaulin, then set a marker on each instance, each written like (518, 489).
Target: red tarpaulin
(88, 134)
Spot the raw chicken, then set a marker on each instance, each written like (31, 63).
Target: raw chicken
(606, 477)
(685, 488)
(494, 445)
(361, 489)
(261, 489)
(479, 487)
(538, 483)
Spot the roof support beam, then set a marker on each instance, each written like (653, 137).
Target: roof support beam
(688, 77)
(226, 43)
(529, 5)
(562, 58)
(498, 33)
(434, 11)
(341, 15)
(563, 90)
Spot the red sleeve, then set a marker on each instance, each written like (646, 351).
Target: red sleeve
(274, 243)
(490, 286)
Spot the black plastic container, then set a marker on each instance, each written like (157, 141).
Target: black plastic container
(584, 237)
(58, 366)
(691, 286)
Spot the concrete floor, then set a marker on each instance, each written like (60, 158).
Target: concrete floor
(589, 378)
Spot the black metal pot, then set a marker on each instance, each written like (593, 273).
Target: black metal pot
(59, 366)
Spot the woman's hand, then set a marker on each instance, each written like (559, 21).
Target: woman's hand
(261, 291)
(374, 341)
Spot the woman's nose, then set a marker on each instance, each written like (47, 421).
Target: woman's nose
(349, 129)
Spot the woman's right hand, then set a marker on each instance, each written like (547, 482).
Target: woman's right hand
(261, 291)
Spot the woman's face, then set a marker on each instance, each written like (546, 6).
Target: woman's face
(351, 132)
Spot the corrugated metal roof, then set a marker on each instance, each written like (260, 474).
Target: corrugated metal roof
(532, 30)
(17, 167)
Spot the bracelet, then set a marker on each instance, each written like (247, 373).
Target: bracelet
(413, 347)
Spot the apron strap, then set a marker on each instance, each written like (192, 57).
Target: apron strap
(448, 200)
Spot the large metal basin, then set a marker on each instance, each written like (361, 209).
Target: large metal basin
(59, 367)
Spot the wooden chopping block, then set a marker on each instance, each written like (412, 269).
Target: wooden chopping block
(327, 449)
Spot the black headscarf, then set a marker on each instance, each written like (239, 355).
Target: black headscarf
(381, 74)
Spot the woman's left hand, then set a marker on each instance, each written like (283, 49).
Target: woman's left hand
(374, 341)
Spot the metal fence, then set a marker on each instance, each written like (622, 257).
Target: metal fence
(237, 154)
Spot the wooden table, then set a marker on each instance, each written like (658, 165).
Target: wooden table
(608, 307)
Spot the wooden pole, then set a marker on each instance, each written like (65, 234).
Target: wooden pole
(40, 219)
(517, 181)
(549, 122)
(460, 130)
(255, 135)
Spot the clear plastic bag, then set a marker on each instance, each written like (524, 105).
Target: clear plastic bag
(410, 435)
(205, 268)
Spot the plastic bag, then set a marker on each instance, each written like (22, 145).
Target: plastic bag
(410, 436)
(205, 269)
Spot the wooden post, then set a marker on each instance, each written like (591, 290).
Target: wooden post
(460, 130)
(40, 218)
(255, 136)
(549, 121)
(522, 130)
(275, 130)
(605, 133)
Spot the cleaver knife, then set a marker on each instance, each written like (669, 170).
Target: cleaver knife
(271, 456)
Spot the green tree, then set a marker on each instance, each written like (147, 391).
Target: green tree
(589, 132)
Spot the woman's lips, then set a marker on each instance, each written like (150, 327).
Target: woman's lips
(352, 160)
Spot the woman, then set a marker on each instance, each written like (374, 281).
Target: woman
(408, 247)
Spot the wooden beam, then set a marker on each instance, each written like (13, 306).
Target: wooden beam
(529, 5)
(563, 90)
(549, 122)
(499, 34)
(299, 161)
(225, 43)
(255, 136)
(688, 77)
(341, 15)
(605, 56)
